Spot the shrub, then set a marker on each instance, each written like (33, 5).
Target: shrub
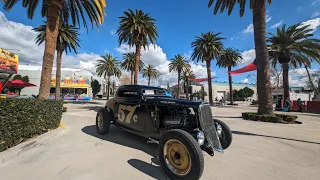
(276, 118)
(21, 119)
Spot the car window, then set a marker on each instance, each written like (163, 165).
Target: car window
(127, 93)
(155, 92)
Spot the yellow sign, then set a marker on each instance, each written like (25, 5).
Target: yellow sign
(68, 82)
(8, 62)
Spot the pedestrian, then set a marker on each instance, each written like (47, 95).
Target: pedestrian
(287, 105)
(300, 104)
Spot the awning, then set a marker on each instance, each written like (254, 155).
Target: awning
(250, 67)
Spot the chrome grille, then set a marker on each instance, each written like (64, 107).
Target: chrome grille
(208, 127)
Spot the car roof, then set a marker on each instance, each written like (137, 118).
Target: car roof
(129, 86)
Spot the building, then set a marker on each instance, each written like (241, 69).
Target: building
(73, 81)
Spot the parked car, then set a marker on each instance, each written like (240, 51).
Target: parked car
(181, 128)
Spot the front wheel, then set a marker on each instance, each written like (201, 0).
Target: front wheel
(224, 133)
(102, 121)
(180, 155)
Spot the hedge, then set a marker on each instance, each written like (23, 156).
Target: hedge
(276, 118)
(21, 119)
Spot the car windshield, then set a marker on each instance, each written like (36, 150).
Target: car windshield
(156, 92)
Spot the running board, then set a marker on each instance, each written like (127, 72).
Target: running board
(152, 141)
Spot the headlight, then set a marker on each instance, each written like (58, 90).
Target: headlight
(200, 137)
(219, 128)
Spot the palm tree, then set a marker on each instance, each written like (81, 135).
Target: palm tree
(206, 48)
(150, 72)
(293, 46)
(68, 39)
(229, 58)
(54, 11)
(137, 28)
(129, 62)
(259, 26)
(107, 67)
(186, 75)
(179, 64)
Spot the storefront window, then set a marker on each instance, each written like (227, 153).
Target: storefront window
(80, 91)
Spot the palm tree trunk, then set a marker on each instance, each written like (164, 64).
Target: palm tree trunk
(230, 85)
(262, 58)
(311, 82)
(285, 80)
(149, 80)
(58, 75)
(131, 76)
(136, 69)
(108, 90)
(179, 74)
(208, 62)
(52, 30)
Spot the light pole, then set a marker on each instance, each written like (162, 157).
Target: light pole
(187, 85)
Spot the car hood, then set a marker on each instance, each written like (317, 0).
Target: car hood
(172, 101)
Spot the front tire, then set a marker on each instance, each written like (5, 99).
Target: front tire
(226, 135)
(180, 155)
(102, 121)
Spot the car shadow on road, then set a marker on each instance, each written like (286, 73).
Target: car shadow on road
(121, 137)
(81, 102)
(92, 108)
(289, 139)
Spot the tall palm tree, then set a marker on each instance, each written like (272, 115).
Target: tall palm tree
(179, 64)
(185, 77)
(54, 11)
(150, 72)
(258, 8)
(293, 46)
(206, 48)
(137, 28)
(229, 58)
(68, 40)
(129, 62)
(107, 67)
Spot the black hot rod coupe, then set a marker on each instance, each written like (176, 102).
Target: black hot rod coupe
(182, 128)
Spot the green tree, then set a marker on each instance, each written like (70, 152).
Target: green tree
(243, 93)
(258, 8)
(179, 64)
(293, 46)
(96, 87)
(200, 94)
(68, 40)
(54, 11)
(206, 48)
(149, 72)
(229, 58)
(129, 62)
(107, 67)
(137, 28)
(18, 77)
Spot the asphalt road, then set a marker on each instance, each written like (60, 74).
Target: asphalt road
(263, 151)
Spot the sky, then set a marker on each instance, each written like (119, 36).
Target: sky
(178, 23)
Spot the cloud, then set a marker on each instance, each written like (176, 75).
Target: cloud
(248, 56)
(113, 32)
(315, 2)
(315, 14)
(246, 80)
(249, 29)
(299, 8)
(277, 24)
(313, 24)
(268, 18)
(14, 35)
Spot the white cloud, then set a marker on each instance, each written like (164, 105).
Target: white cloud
(249, 29)
(14, 35)
(315, 2)
(277, 24)
(268, 18)
(248, 56)
(246, 80)
(315, 14)
(299, 8)
(314, 24)
(113, 32)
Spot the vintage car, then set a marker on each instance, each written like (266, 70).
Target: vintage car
(181, 128)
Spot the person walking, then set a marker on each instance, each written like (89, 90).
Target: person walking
(300, 104)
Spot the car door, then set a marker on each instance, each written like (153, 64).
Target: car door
(130, 110)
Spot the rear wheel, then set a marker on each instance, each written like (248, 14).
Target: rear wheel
(225, 134)
(102, 121)
(180, 155)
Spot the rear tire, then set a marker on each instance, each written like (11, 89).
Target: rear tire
(226, 134)
(180, 155)
(102, 121)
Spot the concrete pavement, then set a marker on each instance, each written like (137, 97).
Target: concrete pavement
(263, 151)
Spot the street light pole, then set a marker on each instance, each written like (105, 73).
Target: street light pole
(187, 85)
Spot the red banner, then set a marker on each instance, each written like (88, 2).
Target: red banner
(248, 68)
(200, 79)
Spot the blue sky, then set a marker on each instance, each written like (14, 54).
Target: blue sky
(178, 22)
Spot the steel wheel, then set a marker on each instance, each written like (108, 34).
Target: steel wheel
(177, 157)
